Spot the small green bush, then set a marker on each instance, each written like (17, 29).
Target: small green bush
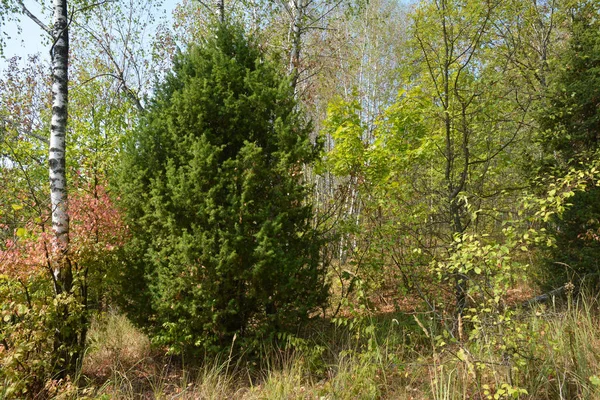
(30, 316)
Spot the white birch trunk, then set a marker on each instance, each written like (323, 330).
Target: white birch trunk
(70, 336)
(298, 9)
(58, 130)
(220, 5)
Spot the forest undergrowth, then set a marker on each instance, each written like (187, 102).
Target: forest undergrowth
(388, 355)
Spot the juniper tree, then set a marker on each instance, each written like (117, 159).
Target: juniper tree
(570, 123)
(213, 184)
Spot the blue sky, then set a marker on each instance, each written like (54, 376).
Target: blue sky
(30, 40)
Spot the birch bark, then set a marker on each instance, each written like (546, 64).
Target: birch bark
(58, 181)
(220, 10)
(298, 10)
(68, 338)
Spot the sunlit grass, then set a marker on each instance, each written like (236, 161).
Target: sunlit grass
(396, 361)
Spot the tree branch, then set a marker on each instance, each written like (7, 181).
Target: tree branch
(92, 6)
(32, 17)
(27, 133)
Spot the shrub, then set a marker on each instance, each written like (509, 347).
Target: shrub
(217, 204)
(29, 318)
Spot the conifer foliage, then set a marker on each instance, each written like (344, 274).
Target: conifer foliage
(216, 200)
(571, 139)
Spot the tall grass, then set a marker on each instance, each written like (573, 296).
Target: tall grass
(560, 360)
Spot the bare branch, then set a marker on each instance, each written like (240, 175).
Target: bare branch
(35, 19)
(120, 73)
(100, 3)
(209, 8)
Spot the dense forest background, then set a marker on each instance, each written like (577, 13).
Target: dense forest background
(304, 199)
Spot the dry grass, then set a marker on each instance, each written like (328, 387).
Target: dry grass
(114, 345)
(562, 362)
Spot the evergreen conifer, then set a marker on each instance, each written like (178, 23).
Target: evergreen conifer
(571, 138)
(214, 190)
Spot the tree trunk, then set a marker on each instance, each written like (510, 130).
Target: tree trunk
(298, 10)
(69, 333)
(220, 5)
(67, 349)
(58, 180)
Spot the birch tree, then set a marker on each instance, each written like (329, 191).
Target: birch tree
(58, 33)
(69, 336)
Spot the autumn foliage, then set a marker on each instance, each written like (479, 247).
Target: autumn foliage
(31, 311)
(97, 229)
